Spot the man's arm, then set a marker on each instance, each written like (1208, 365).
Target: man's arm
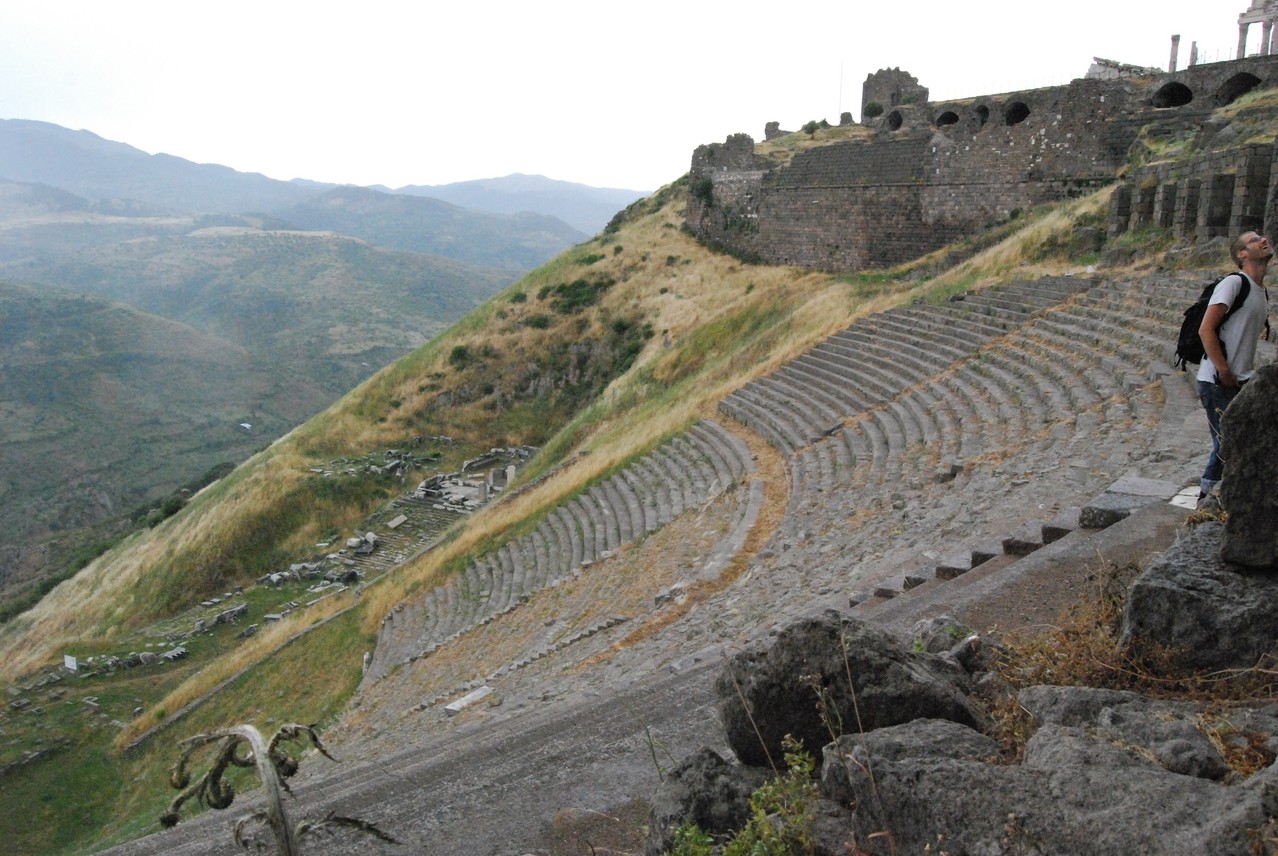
(1208, 331)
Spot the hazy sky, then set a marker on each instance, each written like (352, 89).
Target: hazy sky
(611, 94)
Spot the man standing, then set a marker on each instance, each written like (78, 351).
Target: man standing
(1230, 342)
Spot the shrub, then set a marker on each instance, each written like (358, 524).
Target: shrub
(459, 357)
(873, 110)
(576, 295)
(703, 191)
(537, 322)
(781, 814)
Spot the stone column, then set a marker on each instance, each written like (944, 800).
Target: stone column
(1193, 54)
(1267, 29)
(1242, 41)
(1175, 52)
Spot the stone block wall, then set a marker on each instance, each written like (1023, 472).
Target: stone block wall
(937, 172)
(1222, 193)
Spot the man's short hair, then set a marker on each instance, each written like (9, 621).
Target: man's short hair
(1239, 244)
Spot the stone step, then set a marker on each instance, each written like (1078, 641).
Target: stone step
(762, 423)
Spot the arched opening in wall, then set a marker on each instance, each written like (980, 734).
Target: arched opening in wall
(894, 120)
(1235, 87)
(1172, 95)
(949, 117)
(980, 115)
(1016, 113)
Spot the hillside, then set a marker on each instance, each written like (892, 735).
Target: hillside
(308, 314)
(587, 209)
(516, 241)
(864, 427)
(128, 371)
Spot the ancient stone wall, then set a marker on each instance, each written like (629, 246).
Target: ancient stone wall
(938, 171)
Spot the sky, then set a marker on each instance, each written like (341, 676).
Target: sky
(610, 94)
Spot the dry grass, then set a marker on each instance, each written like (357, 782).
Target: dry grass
(1083, 650)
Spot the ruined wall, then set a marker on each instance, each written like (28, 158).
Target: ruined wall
(1222, 193)
(888, 88)
(938, 171)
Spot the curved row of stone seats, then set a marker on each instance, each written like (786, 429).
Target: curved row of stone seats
(591, 600)
(685, 472)
(1026, 396)
(1028, 388)
(876, 359)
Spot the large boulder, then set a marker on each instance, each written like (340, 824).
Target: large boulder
(1249, 448)
(933, 786)
(829, 675)
(1210, 613)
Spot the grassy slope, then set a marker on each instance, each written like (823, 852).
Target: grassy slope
(515, 370)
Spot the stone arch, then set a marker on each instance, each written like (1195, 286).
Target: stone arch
(980, 115)
(1173, 94)
(947, 117)
(894, 120)
(1016, 113)
(1235, 87)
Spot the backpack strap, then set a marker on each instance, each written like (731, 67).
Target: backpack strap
(1243, 291)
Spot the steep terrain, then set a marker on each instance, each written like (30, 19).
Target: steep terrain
(723, 446)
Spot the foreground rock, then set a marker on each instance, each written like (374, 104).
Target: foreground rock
(1104, 772)
(1249, 448)
(829, 675)
(1082, 788)
(1209, 613)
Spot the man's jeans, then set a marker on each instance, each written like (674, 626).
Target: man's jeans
(1215, 399)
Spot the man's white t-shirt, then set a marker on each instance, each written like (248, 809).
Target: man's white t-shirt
(1242, 330)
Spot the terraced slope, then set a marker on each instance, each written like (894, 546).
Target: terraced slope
(914, 435)
(690, 470)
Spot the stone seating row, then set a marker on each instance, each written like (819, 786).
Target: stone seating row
(683, 473)
(876, 359)
(1028, 395)
(1039, 369)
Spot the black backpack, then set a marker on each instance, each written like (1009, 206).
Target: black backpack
(1189, 347)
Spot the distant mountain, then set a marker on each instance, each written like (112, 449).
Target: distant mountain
(116, 178)
(512, 241)
(331, 306)
(103, 404)
(583, 207)
(102, 171)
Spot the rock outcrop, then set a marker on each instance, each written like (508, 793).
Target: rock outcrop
(1104, 772)
(834, 674)
(1249, 448)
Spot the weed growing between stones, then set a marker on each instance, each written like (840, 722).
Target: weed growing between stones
(780, 816)
(273, 765)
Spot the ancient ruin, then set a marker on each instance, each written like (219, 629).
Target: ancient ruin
(935, 172)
